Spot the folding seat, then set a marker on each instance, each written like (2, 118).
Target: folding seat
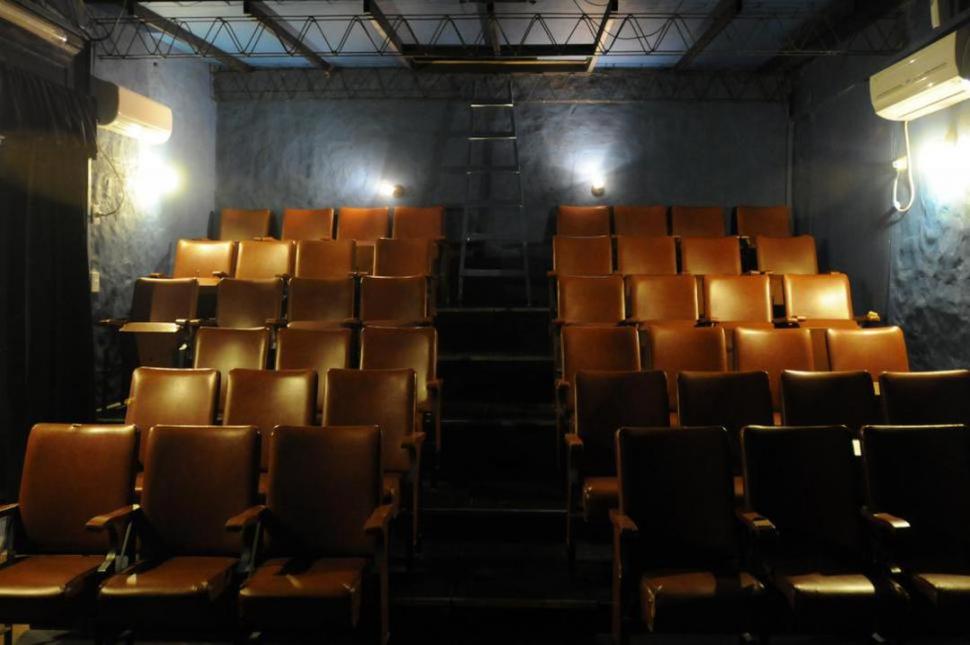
(780, 256)
(320, 303)
(187, 568)
(328, 535)
(582, 221)
(605, 402)
(676, 348)
(828, 398)
(640, 221)
(582, 255)
(663, 298)
(802, 506)
(307, 224)
(590, 300)
(400, 258)
(646, 255)
(325, 258)
(773, 351)
(394, 301)
(415, 348)
(265, 259)
(919, 514)
(227, 349)
(732, 300)
(249, 303)
(205, 260)
(315, 349)
(697, 221)
(710, 255)
(265, 399)
(365, 226)
(768, 221)
(386, 399)
(819, 302)
(922, 398)
(53, 565)
(417, 222)
(876, 350)
(677, 548)
(239, 224)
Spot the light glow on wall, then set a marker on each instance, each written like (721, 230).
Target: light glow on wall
(944, 166)
(152, 179)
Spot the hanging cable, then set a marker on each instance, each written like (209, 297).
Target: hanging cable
(906, 163)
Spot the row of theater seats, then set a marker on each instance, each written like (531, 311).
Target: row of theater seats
(686, 221)
(347, 223)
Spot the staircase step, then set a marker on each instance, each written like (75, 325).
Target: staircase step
(498, 331)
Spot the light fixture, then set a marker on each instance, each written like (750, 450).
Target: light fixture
(37, 25)
(598, 186)
(151, 179)
(387, 189)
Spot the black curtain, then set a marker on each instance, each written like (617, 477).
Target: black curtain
(46, 349)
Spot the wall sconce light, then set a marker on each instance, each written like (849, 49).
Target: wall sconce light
(387, 189)
(598, 186)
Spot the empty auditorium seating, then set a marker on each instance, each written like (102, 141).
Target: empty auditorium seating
(365, 226)
(779, 256)
(770, 221)
(640, 221)
(677, 549)
(593, 349)
(828, 398)
(697, 221)
(676, 348)
(307, 224)
(582, 255)
(403, 257)
(315, 349)
(227, 349)
(264, 259)
(239, 224)
(710, 255)
(418, 222)
(325, 258)
(205, 260)
(646, 255)
(773, 350)
(582, 221)
(249, 303)
(823, 300)
(663, 298)
(394, 301)
(731, 300)
(590, 300)
(876, 350)
(328, 534)
(921, 398)
(316, 303)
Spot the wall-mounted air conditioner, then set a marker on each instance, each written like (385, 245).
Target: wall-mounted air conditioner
(131, 114)
(928, 80)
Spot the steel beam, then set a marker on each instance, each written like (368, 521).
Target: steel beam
(201, 46)
(605, 31)
(384, 28)
(722, 16)
(288, 36)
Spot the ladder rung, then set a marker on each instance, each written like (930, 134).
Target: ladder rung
(492, 273)
(478, 106)
(492, 136)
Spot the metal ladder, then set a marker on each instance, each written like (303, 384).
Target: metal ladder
(478, 206)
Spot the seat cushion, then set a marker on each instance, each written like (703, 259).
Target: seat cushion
(946, 592)
(43, 589)
(829, 601)
(297, 594)
(699, 601)
(600, 494)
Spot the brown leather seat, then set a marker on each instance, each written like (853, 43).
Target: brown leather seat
(605, 402)
(920, 398)
(239, 224)
(730, 300)
(418, 222)
(590, 300)
(385, 398)
(265, 399)
(828, 398)
(365, 226)
(780, 256)
(593, 349)
(71, 474)
(675, 348)
(773, 351)
(316, 303)
(316, 349)
(582, 221)
(248, 303)
(804, 484)
(663, 298)
(819, 302)
(646, 255)
(772, 221)
(710, 255)
(327, 532)
(675, 536)
(325, 258)
(408, 347)
(264, 259)
(697, 221)
(640, 221)
(582, 255)
(153, 332)
(394, 301)
(876, 350)
(227, 349)
(196, 478)
(397, 257)
(307, 224)
(205, 260)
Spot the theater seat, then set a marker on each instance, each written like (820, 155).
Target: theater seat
(646, 255)
(249, 303)
(399, 302)
(307, 224)
(773, 351)
(582, 255)
(640, 221)
(697, 221)
(828, 398)
(240, 224)
(403, 257)
(876, 350)
(321, 303)
(582, 221)
(663, 298)
(922, 398)
(365, 226)
(321, 259)
(264, 259)
(228, 349)
(314, 349)
(780, 256)
(584, 300)
(675, 348)
(732, 300)
(770, 221)
(819, 302)
(710, 255)
(205, 260)
(418, 223)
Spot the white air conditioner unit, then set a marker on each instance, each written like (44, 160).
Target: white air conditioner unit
(131, 114)
(928, 80)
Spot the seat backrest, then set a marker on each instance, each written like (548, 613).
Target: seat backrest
(72, 473)
(248, 303)
(264, 259)
(240, 224)
(196, 478)
(675, 348)
(787, 255)
(663, 297)
(265, 399)
(402, 257)
(825, 296)
(582, 255)
(164, 299)
(774, 221)
(737, 298)
(599, 349)
(607, 401)
(402, 347)
(366, 224)
(807, 481)
(315, 349)
(323, 300)
(418, 222)
(876, 350)
(675, 484)
(200, 258)
(227, 349)
(640, 221)
(582, 221)
(591, 299)
(710, 255)
(828, 398)
(323, 485)
(773, 351)
(697, 221)
(646, 255)
(382, 398)
(402, 299)
(921, 398)
(307, 224)
(325, 258)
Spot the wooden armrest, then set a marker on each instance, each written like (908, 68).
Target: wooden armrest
(275, 322)
(870, 317)
(283, 276)
(155, 275)
(8, 510)
(435, 385)
(250, 516)
(757, 525)
(188, 322)
(220, 274)
(118, 323)
(573, 441)
(413, 440)
(110, 521)
(622, 523)
(562, 385)
(379, 520)
(887, 524)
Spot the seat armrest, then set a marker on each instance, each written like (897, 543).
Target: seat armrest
(758, 526)
(220, 274)
(118, 524)
(275, 323)
(113, 322)
(551, 274)
(435, 385)
(623, 524)
(249, 517)
(871, 318)
(155, 274)
(189, 322)
(379, 520)
(112, 520)
(283, 276)
(8, 510)
(887, 525)
(574, 450)
(562, 385)
(784, 323)
(413, 441)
